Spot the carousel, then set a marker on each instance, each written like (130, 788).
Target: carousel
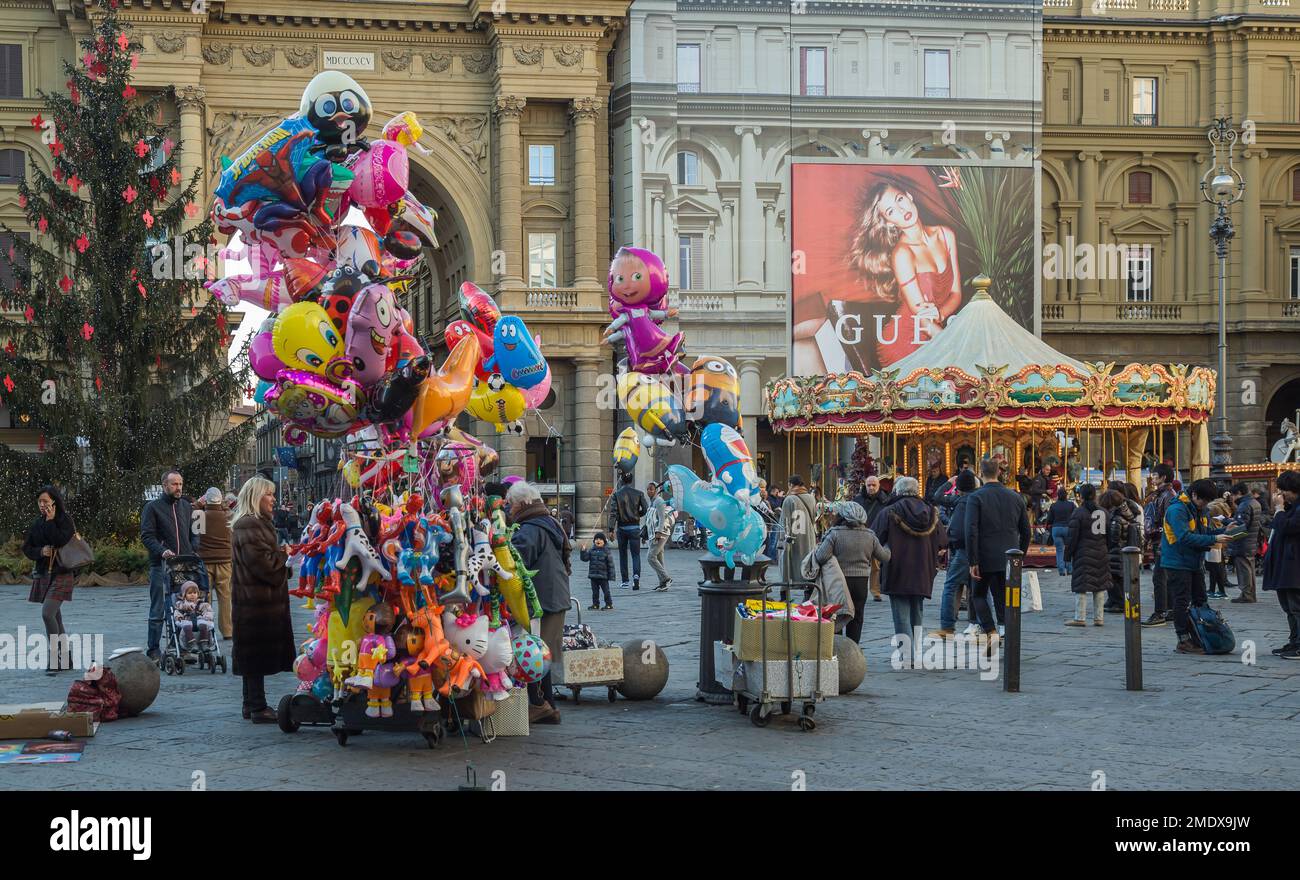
(987, 387)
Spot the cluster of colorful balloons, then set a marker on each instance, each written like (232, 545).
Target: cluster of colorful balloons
(671, 403)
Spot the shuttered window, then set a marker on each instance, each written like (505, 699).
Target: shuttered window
(12, 166)
(11, 71)
(1139, 188)
(690, 262)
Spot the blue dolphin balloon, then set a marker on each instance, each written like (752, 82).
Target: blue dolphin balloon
(515, 354)
(729, 459)
(736, 529)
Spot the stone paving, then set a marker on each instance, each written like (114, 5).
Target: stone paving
(1202, 721)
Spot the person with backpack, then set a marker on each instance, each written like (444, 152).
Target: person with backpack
(1162, 476)
(1249, 515)
(1282, 559)
(1085, 547)
(1185, 537)
(629, 505)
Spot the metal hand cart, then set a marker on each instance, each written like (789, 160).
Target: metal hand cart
(610, 657)
(760, 702)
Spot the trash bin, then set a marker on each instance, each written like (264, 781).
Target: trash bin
(718, 599)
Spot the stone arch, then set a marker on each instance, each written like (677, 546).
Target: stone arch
(1113, 176)
(778, 158)
(1282, 404)
(1055, 169)
(1275, 183)
(663, 156)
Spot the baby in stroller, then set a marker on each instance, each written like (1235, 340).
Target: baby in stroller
(193, 609)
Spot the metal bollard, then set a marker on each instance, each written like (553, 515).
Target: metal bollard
(1011, 644)
(1132, 618)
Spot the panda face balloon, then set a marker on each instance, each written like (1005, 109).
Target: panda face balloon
(337, 107)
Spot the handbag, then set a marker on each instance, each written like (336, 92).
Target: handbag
(74, 555)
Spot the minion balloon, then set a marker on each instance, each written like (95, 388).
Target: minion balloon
(626, 451)
(713, 393)
(653, 408)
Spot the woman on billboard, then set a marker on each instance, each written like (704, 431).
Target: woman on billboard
(906, 259)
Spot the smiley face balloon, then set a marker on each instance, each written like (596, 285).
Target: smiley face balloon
(306, 339)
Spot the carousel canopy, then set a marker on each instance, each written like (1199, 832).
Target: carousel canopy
(985, 369)
(983, 337)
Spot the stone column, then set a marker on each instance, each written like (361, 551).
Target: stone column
(726, 275)
(1087, 231)
(772, 247)
(1201, 452)
(1251, 238)
(510, 182)
(657, 238)
(190, 103)
(1061, 282)
(751, 210)
(1201, 248)
(751, 398)
(590, 419)
(1246, 412)
(584, 111)
(1180, 258)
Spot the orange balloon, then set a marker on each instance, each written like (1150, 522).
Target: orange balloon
(445, 394)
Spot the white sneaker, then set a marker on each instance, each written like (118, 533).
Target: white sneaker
(1002, 630)
(626, 585)
(972, 630)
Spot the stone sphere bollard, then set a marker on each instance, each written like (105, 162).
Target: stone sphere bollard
(643, 680)
(852, 663)
(138, 681)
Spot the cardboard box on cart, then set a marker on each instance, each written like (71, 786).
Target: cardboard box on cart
(747, 636)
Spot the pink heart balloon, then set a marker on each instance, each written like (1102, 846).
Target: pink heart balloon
(382, 174)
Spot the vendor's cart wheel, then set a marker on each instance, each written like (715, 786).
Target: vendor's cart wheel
(757, 716)
(284, 714)
(341, 736)
(785, 707)
(742, 703)
(613, 694)
(809, 709)
(577, 693)
(432, 739)
(806, 723)
(180, 666)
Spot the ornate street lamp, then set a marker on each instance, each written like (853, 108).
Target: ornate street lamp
(1222, 186)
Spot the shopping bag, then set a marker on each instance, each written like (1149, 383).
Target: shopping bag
(1031, 597)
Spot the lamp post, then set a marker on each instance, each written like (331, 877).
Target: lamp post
(1222, 186)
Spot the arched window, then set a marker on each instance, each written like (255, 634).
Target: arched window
(1295, 185)
(688, 168)
(1139, 187)
(13, 166)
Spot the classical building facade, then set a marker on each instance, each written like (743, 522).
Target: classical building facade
(514, 105)
(714, 98)
(1128, 97)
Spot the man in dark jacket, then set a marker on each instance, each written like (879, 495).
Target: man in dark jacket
(958, 562)
(1163, 477)
(936, 481)
(1282, 559)
(1039, 487)
(996, 521)
(628, 506)
(165, 530)
(543, 547)
(873, 500)
(1249, 515)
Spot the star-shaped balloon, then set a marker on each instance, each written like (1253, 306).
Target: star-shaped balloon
(129, 193)
(87, 331)
(82, 243)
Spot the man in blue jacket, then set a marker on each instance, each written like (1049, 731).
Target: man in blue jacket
(1185, 535)
(166, 526)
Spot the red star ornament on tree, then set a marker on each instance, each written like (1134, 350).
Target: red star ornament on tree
(176, 177)
(135, 60)
(38, 121)
(9, 384)
(148, 220)
(10, 349)
(43, 225)
(139, 285)
(87, 331)
(129, 193)
(65, 284)
(99, 384)
(82, 243)
(123, 41)
(141, 148)
(29, 314)
(128, 92)
(56, 148)
(74, 183)
(191, 210)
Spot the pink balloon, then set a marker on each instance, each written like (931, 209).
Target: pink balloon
(261, 354)
(266, 292)
(534, 396)
(381, 175)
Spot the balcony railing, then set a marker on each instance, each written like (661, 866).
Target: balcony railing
(550, 298)
(1161, 316)
(1148, 312)
(937, 92)
(1144, 119)
(692, 88)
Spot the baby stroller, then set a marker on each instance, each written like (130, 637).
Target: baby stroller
(175, 655)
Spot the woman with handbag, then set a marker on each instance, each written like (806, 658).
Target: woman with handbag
(260, 598)
(51, 582)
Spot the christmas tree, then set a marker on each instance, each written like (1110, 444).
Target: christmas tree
(112, 349)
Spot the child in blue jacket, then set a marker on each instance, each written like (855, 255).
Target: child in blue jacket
(600, 568)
